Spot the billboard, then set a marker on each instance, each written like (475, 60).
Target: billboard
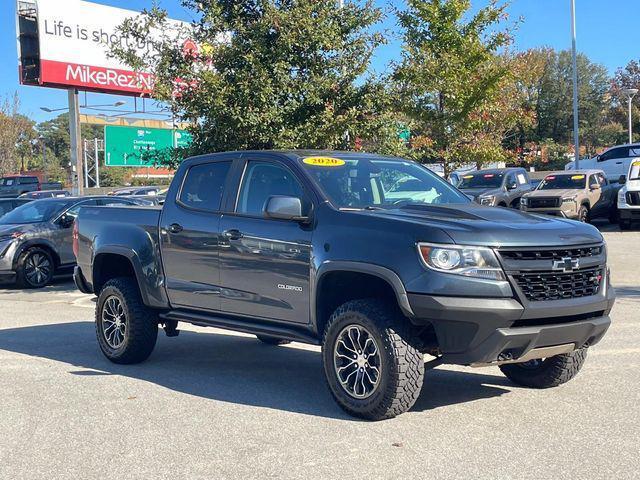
(74, 38)
(126, 146)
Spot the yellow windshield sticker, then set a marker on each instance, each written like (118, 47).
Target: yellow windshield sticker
(577, 177)
(324, 161)
(468, 176)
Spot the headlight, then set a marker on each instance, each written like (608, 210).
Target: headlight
(570, 199)
(478, 262)
(622, 200)
(486, 200)
(524, 202)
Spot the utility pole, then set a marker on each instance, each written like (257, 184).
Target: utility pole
(576, 138)
(75, 141)
(630, 93)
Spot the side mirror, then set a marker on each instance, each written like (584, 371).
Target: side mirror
(282, 207)
(622, 180)
(512, 186)
(66, 221)
(596, 187)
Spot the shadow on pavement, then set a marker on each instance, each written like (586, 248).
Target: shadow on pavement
(627, 291)
(58, 284)
(231, 369)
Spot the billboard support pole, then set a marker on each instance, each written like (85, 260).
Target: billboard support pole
(75, 140)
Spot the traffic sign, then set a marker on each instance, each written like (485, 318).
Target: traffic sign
(128, 146)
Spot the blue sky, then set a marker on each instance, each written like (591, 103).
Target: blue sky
(605, 33)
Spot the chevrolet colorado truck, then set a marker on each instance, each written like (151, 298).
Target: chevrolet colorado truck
(327, 248)
(581, 195)
(498, 187)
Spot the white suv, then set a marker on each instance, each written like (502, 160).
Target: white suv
(614, 161)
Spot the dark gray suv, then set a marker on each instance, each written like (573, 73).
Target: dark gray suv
(36, 238)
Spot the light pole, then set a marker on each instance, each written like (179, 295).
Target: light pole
(576, 139)
(630, 93)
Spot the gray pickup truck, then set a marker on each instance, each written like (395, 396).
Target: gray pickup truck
(16, 185)
(376, 259)
(497, 187)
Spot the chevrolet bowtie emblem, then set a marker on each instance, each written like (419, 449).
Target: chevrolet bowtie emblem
(566, 264)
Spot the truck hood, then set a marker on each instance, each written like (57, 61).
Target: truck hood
(561, 192)
(473, 224)
(476, 192)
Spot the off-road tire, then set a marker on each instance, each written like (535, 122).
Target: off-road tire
(552, 371)
(402, 364)
(142, 323)
(272, 340)
(22, 280)
(583, 214)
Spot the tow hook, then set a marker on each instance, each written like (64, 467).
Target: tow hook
(171, 328)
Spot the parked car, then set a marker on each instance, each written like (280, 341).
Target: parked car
(46, 194)
(580, 195)
(629, 197)
(614, 161)
(502, 187)
(8, 204)
(35, 238)
(135, 191)
(307, 246)
(15, 185)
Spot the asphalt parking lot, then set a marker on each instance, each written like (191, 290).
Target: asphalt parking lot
(212, 404)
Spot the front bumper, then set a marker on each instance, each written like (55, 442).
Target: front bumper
(489, 330)
(556, 212)
(629, 214)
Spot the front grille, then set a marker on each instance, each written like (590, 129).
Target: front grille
(633, 198)
(553, 254)
(543, 202)
(540, 286)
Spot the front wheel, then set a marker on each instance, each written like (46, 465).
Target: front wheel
(371, 360)
(583, 214)
(126, 329)
(548, 372)
(35, 268)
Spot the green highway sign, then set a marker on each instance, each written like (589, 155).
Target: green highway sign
(126, 146)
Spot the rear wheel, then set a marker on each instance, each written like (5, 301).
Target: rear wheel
(272, 340)
(126, 329)
(371, 360)
(35, 268)
(548, 372)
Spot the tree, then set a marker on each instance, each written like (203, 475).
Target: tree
(448, 75)
(16, 134)
(555, 107)
(269, 74)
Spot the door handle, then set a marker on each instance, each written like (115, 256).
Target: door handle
(618, 163)
(232, 234)
(175, 228)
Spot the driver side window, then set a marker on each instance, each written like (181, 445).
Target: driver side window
(612, 154)
(262, 180)
(73, 211)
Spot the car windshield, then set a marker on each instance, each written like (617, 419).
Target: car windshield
(34, 212)
(379, 182)
(481, 180)
(559, 182)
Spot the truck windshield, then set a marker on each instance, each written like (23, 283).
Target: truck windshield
(481, 180)
(379, 182)
(558, 182)
(35, 212)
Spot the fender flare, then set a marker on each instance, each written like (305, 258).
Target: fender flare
(130, 255)
(383, 273)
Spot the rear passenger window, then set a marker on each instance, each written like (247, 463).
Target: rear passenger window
(203, 186)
